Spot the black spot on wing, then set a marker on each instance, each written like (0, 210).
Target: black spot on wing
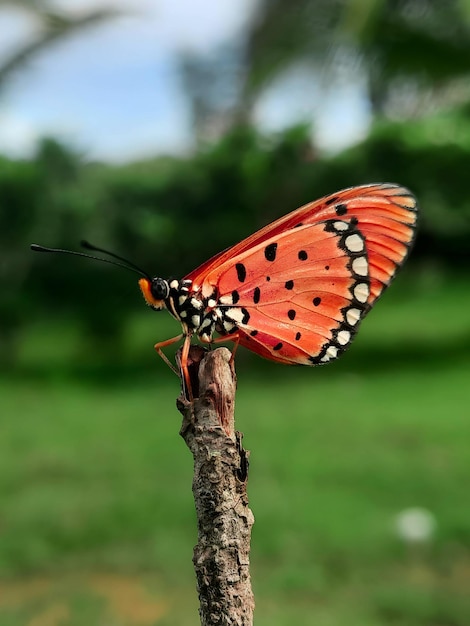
(289, 284)
(316, 301)
(241, 272)
(303, 256)
(256, 295)
(278, 346)
(270, 252)
(291, 314)
(298, 336)
(235, 296)
(341, 209)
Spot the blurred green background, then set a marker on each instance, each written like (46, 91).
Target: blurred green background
(360, 471)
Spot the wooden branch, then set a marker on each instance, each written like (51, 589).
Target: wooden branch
(221, 556)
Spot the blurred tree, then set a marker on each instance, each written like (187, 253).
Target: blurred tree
(412, 52)
(52, 26)
(213, 84)
(289, 32)
(412, 55)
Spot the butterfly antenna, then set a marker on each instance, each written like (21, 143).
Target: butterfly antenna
(127, 265)
(89, 246)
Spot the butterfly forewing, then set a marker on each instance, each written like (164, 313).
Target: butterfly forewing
(297, 289)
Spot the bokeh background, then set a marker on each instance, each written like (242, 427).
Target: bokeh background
(167, 130)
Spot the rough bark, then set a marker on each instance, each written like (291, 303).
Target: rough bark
(221, 556)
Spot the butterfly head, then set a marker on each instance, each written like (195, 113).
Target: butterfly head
(155, 291)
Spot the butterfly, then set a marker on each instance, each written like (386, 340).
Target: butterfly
(297, 290)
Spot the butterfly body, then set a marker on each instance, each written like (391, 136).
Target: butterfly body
(297, 290)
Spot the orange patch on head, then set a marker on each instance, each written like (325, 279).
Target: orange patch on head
(146, 288)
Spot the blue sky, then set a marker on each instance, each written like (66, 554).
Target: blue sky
(114, 92)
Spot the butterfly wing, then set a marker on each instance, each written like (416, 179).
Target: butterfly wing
(297, 289)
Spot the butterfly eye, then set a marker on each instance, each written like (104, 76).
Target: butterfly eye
(159, 288)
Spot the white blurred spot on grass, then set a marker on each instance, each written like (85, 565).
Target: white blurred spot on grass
(415, 525)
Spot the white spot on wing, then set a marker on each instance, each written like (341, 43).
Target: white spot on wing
(354, 243)
(344, 336)
(211, 303)
(361, 292)
(227, 299)
(235, 314)
(174, 284)
(340, 225)
(353, 316)
(331, 351)
(360, 266)
(182, 300)
(196, 320)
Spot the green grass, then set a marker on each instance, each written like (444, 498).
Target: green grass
(97, 521)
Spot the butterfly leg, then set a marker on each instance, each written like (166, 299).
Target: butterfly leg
(236, 343)
(184, 367)
(235, 337)
(162, 344)
(184, 359)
